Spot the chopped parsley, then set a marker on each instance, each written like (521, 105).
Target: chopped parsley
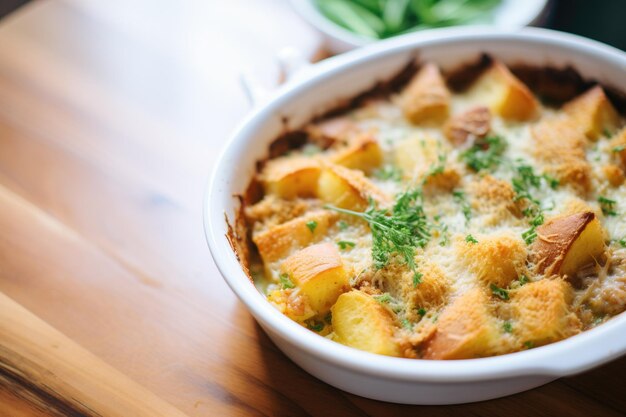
(529, 345)
(619, 148)
(552, 182)
(285, 282)
(486, 154)
(459, 197)
(499, 292)
(316, 326)
(470, 239)
(530, 235)
(345, 244)
(328, 318)
(311, 225)
(389, 172)
(608, 206)
(383, 298)
(396, 232)
(407, 324)
(507, 327)
(417, 278)
(523, 280)
(343, 225)
(443, 230)
(421, 312)
(622, 242)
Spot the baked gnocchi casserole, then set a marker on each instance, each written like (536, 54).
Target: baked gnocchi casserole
(445, 223)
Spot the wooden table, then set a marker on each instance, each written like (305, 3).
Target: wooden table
(111, 116)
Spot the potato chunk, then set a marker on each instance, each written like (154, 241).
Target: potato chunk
(290, 177)
(361, 322)
(466, 329)
(362, 153)
(565, 244)
(348, 188)
(475, 122)
(319, 273)
(541, 312)
(419, 156)
(426, 98)
(277, 242)
(504, 93)
(495, 259)
(593, 112)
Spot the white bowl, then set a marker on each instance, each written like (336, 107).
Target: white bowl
(510, 14)
(402, 380)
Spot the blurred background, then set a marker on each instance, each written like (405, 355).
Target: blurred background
(602, 20)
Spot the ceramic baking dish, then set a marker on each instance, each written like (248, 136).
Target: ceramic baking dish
(323, 86)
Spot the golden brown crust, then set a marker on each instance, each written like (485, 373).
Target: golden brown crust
(560, 144)
(593, 113)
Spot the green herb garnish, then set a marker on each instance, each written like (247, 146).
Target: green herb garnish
(459, 197)
(316, 326)
(437, 168)
(507, 327)
(470, 239)
(383, 298)
(417, 278)
(618, 148)
(530, 235)
(421, 312)
(343, 225)
(486, 154)
(529, 345)
(285, 281)
(622, 242)
(407, 324)
(311, 225)
(399, 231)
(523, 280)
(608, 206)
(499, 292)
(389, 172)
(345, 244)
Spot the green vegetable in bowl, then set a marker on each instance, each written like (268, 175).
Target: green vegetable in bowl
(379, 19)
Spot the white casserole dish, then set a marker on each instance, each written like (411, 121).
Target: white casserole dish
(409, 381)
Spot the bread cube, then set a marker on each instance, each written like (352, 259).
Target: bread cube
(496, 259)
(560, 145)
(333, 130)
(504, 93)
(465, 329)
(472, 123)
(541, 312)
(434, 286)
(290, 177)
(319, 273)
(361, 322)
(426, 98)
(614, 174)
(277, 242)
(362, 153)
(348, 188)
(593, 113)
(565, 244)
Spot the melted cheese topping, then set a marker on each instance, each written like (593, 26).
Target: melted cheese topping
(491, 211)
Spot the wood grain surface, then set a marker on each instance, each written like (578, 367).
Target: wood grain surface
(111, 116)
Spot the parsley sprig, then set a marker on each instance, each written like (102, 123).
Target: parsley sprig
(396, 232)
(608, 206)
(486, 154)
